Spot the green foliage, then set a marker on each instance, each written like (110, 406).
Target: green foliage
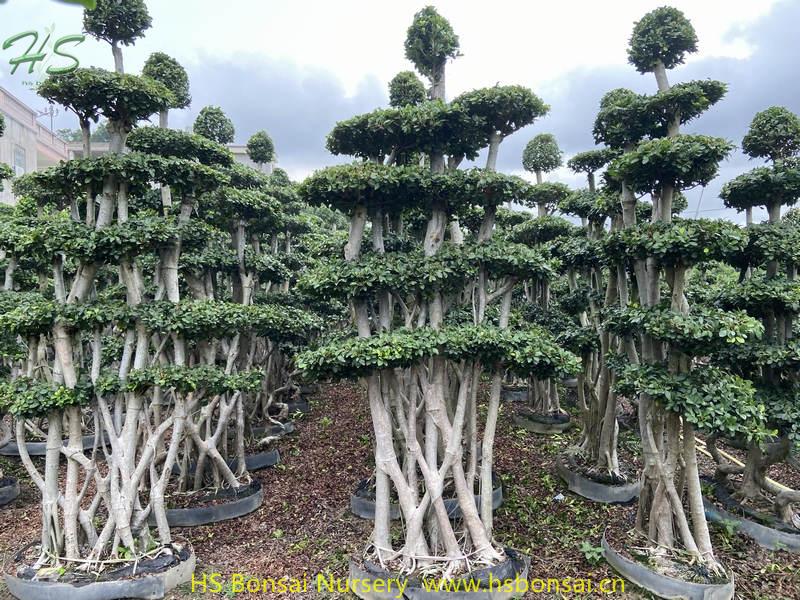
(680, 243)
(395, 189)
(594, 206)
(414, 273)
(529, 352)
(683, 161)
(542, 229)
(504, 109)
(5, 173)
(774, 134)
(591, 160)
(762, 186)
(173, 143)
(577, 252)
(548, 194)
(623, 119)
(712, 399)
(28, 398)
(430, 41)
(761, 297)
(212, 123)
(405, 89)
(117, 22)
(704, 331)
(686, 100)
(169, 72)
(431, 127)
(663, 35)
(542, 154)
(260, 148)
(185, 380)
(120, 98)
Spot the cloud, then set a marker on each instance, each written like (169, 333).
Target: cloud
(765, 78)
(297, 106)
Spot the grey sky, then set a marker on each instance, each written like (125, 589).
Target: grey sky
(296, 67)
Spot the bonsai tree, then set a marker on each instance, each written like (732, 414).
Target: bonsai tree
(768, 291)
(260, 148)
(677, 394)
(212, 123)
(406, 89)
(418, 346)
(541, 155)
(168, 71)
(117, 23)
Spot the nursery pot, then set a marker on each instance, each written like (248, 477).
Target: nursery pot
(664, 586)
(362, 501)
(154, 579)
(9, 490)
(514, 393)
(772, 538)
(363, 580)
(40, 448)
(236, 503)
(595, 490)
(543, 424)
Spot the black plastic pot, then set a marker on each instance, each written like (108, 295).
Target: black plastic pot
(309, 389)
(570, 383)
(511, 393)
(299, 406)
(274, 430)
(515, 567)
(9, 490)
(238, 503)
(362, 502)
(543, 424)
(766, 537)
(662, 585)
(252, 462)
(594, 490)
(151, 585)
(40, 448)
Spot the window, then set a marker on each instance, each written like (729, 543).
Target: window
(19, 160)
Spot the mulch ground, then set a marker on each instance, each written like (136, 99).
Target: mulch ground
(304, 525)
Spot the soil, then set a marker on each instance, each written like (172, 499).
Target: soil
(305, 526)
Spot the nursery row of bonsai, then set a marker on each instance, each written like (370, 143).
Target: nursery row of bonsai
(165, 310)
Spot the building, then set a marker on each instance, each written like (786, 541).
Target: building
(27, 145)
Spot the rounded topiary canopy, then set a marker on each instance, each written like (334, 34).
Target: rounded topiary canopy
(774, 134)
(406, 88)
(591, 160)
(542, 154)
(91, 93)
(682, 161)
(214, 124)
(430, 41)
(168, 71)
(504, 109)
(663, 35)
(117, 22)
(260, 148)
(623, 119)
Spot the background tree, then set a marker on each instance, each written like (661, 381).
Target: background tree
(117, 23)
(260, 148)
(542, 155)
(214, 124)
